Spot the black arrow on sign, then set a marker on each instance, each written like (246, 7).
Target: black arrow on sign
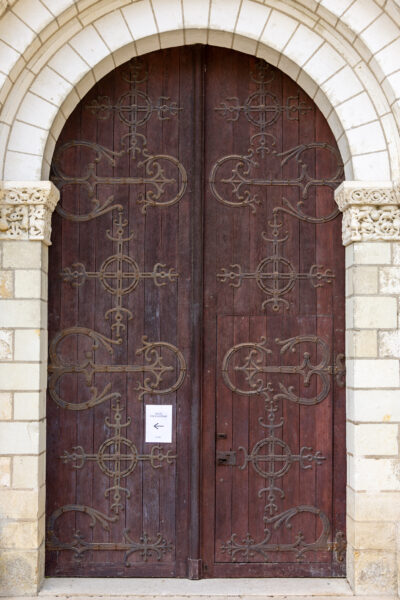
(157, 425)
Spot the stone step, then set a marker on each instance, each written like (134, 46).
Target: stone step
(205, 589)
(200, 597)
(172, 588)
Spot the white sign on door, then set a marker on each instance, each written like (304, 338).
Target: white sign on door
(159, 423)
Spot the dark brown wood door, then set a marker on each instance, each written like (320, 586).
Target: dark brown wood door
(196, 271)
(120, 325)
(273, 475)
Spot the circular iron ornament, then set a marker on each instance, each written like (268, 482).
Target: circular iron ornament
(125, 279)
(117, 462)
(275, 270)
(262, 108)
(135, 108)
(265, 452)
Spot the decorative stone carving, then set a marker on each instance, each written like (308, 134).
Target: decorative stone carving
(26, 209)
(371, 211)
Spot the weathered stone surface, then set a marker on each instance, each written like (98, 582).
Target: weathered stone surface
(5, 406)
(389, 343)
(362, 343)
(389, 280)
(6, 284)
(373, 439)
(26, 472)
(373, 405)
(371, 535)
(20, 504)
(18, 572)
(374, 572)
(374, 312)
(365, 506)
(5, 471)
(364, 279)
(6, 344)
(27, 535)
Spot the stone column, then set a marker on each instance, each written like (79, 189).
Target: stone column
(371, 234)
(25, 215)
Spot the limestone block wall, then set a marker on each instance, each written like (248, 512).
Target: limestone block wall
(371, 220)
(24, 227)
(373, 414)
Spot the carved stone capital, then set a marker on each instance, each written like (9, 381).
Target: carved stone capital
(26, 208)
(371, 211)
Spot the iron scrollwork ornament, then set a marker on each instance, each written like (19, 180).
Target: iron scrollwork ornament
(146, 547)
(156, 172)
(247, 547)
(237, 185)
(233, 176)
(271, 457)
(253, 365)
(161, 360)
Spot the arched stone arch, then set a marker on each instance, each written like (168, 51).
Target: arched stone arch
(301, 42)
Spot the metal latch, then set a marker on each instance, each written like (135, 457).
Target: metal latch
(226, 459)
(339, 546)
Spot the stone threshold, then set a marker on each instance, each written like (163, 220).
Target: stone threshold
(172, 588)
(251, 588)
(205, 589)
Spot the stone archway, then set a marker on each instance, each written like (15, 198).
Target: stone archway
(299, 41)
(364, 122)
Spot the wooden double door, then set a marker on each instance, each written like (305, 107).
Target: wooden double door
(196, 327)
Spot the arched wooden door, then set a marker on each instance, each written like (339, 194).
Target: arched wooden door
(196, 327)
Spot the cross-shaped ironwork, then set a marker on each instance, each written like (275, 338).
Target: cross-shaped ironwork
(117, 457)
(119, 275)
(272, 458)
(275, 275)
(134, 107)
(261, 108)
